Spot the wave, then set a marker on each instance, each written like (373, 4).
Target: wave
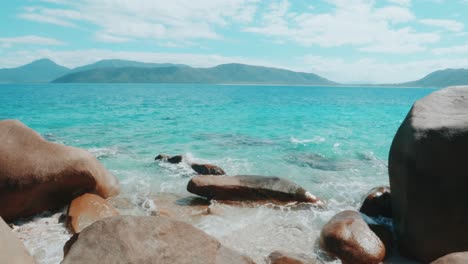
(316, 139)
(104, 152)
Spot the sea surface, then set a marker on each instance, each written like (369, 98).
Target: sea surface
(334, 141)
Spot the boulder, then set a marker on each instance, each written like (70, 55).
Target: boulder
(12, 251)
(207, 169)
(428, 176)
(249, 188)
(147, 239)
(453, 258)
(37, 175)
(87, 209)
(162, 157)
(279, 257)
(378, 202)
(348, 237)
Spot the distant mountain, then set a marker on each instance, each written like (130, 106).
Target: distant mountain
(122, 64)
(227, 73)
(442, 78)
(43, 70)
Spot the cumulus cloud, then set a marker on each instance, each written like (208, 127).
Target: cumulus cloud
(29, 40)
(353, 22)
(118, 20)
(447, 24)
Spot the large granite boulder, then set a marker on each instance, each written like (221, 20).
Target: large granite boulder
(348, 237)
(249, 188)
(378, 202)
(428, 176)
(207, 169)
(37, 175)
(148, 239)
(453, 258)
(12, 251)
(87, 209)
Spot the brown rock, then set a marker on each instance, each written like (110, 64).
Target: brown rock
(385, 235)
(87, 209)
(348, 237)
(180, 207)
(378, 202)
(207, 169)
(146, 239)
(249, 188)
(279, 257)
(162, 157)
(175, 159)
(453, 258)
(428, 176)
(37, 175)
(12, 251)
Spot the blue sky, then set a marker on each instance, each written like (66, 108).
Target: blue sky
(343, 40)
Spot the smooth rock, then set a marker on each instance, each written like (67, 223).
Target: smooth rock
(249, 188)
(279, 257)
(37, 175)
(147, 239)
(180, 207)
(453, 258)
(175, 159)
(428, 176)
(207, 169)
(87, 209)
(12, 251)
(348, 237)
(378, 202)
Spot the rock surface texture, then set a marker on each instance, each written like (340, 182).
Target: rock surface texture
(453, 258)
(148, 239)
(428, 176)
(37, 175)
(348, 237)
(87, 209)
(207, 169)
(12, 251)
(249, 188)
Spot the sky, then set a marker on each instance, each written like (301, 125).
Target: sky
(352, 41)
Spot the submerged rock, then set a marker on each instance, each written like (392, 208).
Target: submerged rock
(12, 251)
(87, 209)
(207, 169)
(279, 257)
(181, 207)
(453, 258)
(147, 239)
(162, 157)
(348, 237)
(378, 202)
(37, 175)
(428, 176)
(249, 188)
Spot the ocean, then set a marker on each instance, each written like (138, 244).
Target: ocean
(333, 141)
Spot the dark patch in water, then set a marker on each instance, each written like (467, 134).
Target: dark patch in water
(319, 162)
(234, 139)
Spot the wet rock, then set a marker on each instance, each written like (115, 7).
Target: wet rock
(180, 207)
(37, 175)
(174, 159)
(87, 209)
(428, 176)
(348, 237)
(12, 251)
(207, 169)
(146, 239)
(249, 188)
(378, 202)
(279, 257)
(453, 258)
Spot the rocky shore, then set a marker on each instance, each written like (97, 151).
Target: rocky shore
(420, 215)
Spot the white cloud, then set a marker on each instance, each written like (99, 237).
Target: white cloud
(352, 22)
(401, 2)
(29, 40)
(147, 19)
(454, 50)
(447, 24)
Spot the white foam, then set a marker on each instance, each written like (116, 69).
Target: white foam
(104, 152)
(316, 139)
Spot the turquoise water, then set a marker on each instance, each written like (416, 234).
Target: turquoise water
(334, 141)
